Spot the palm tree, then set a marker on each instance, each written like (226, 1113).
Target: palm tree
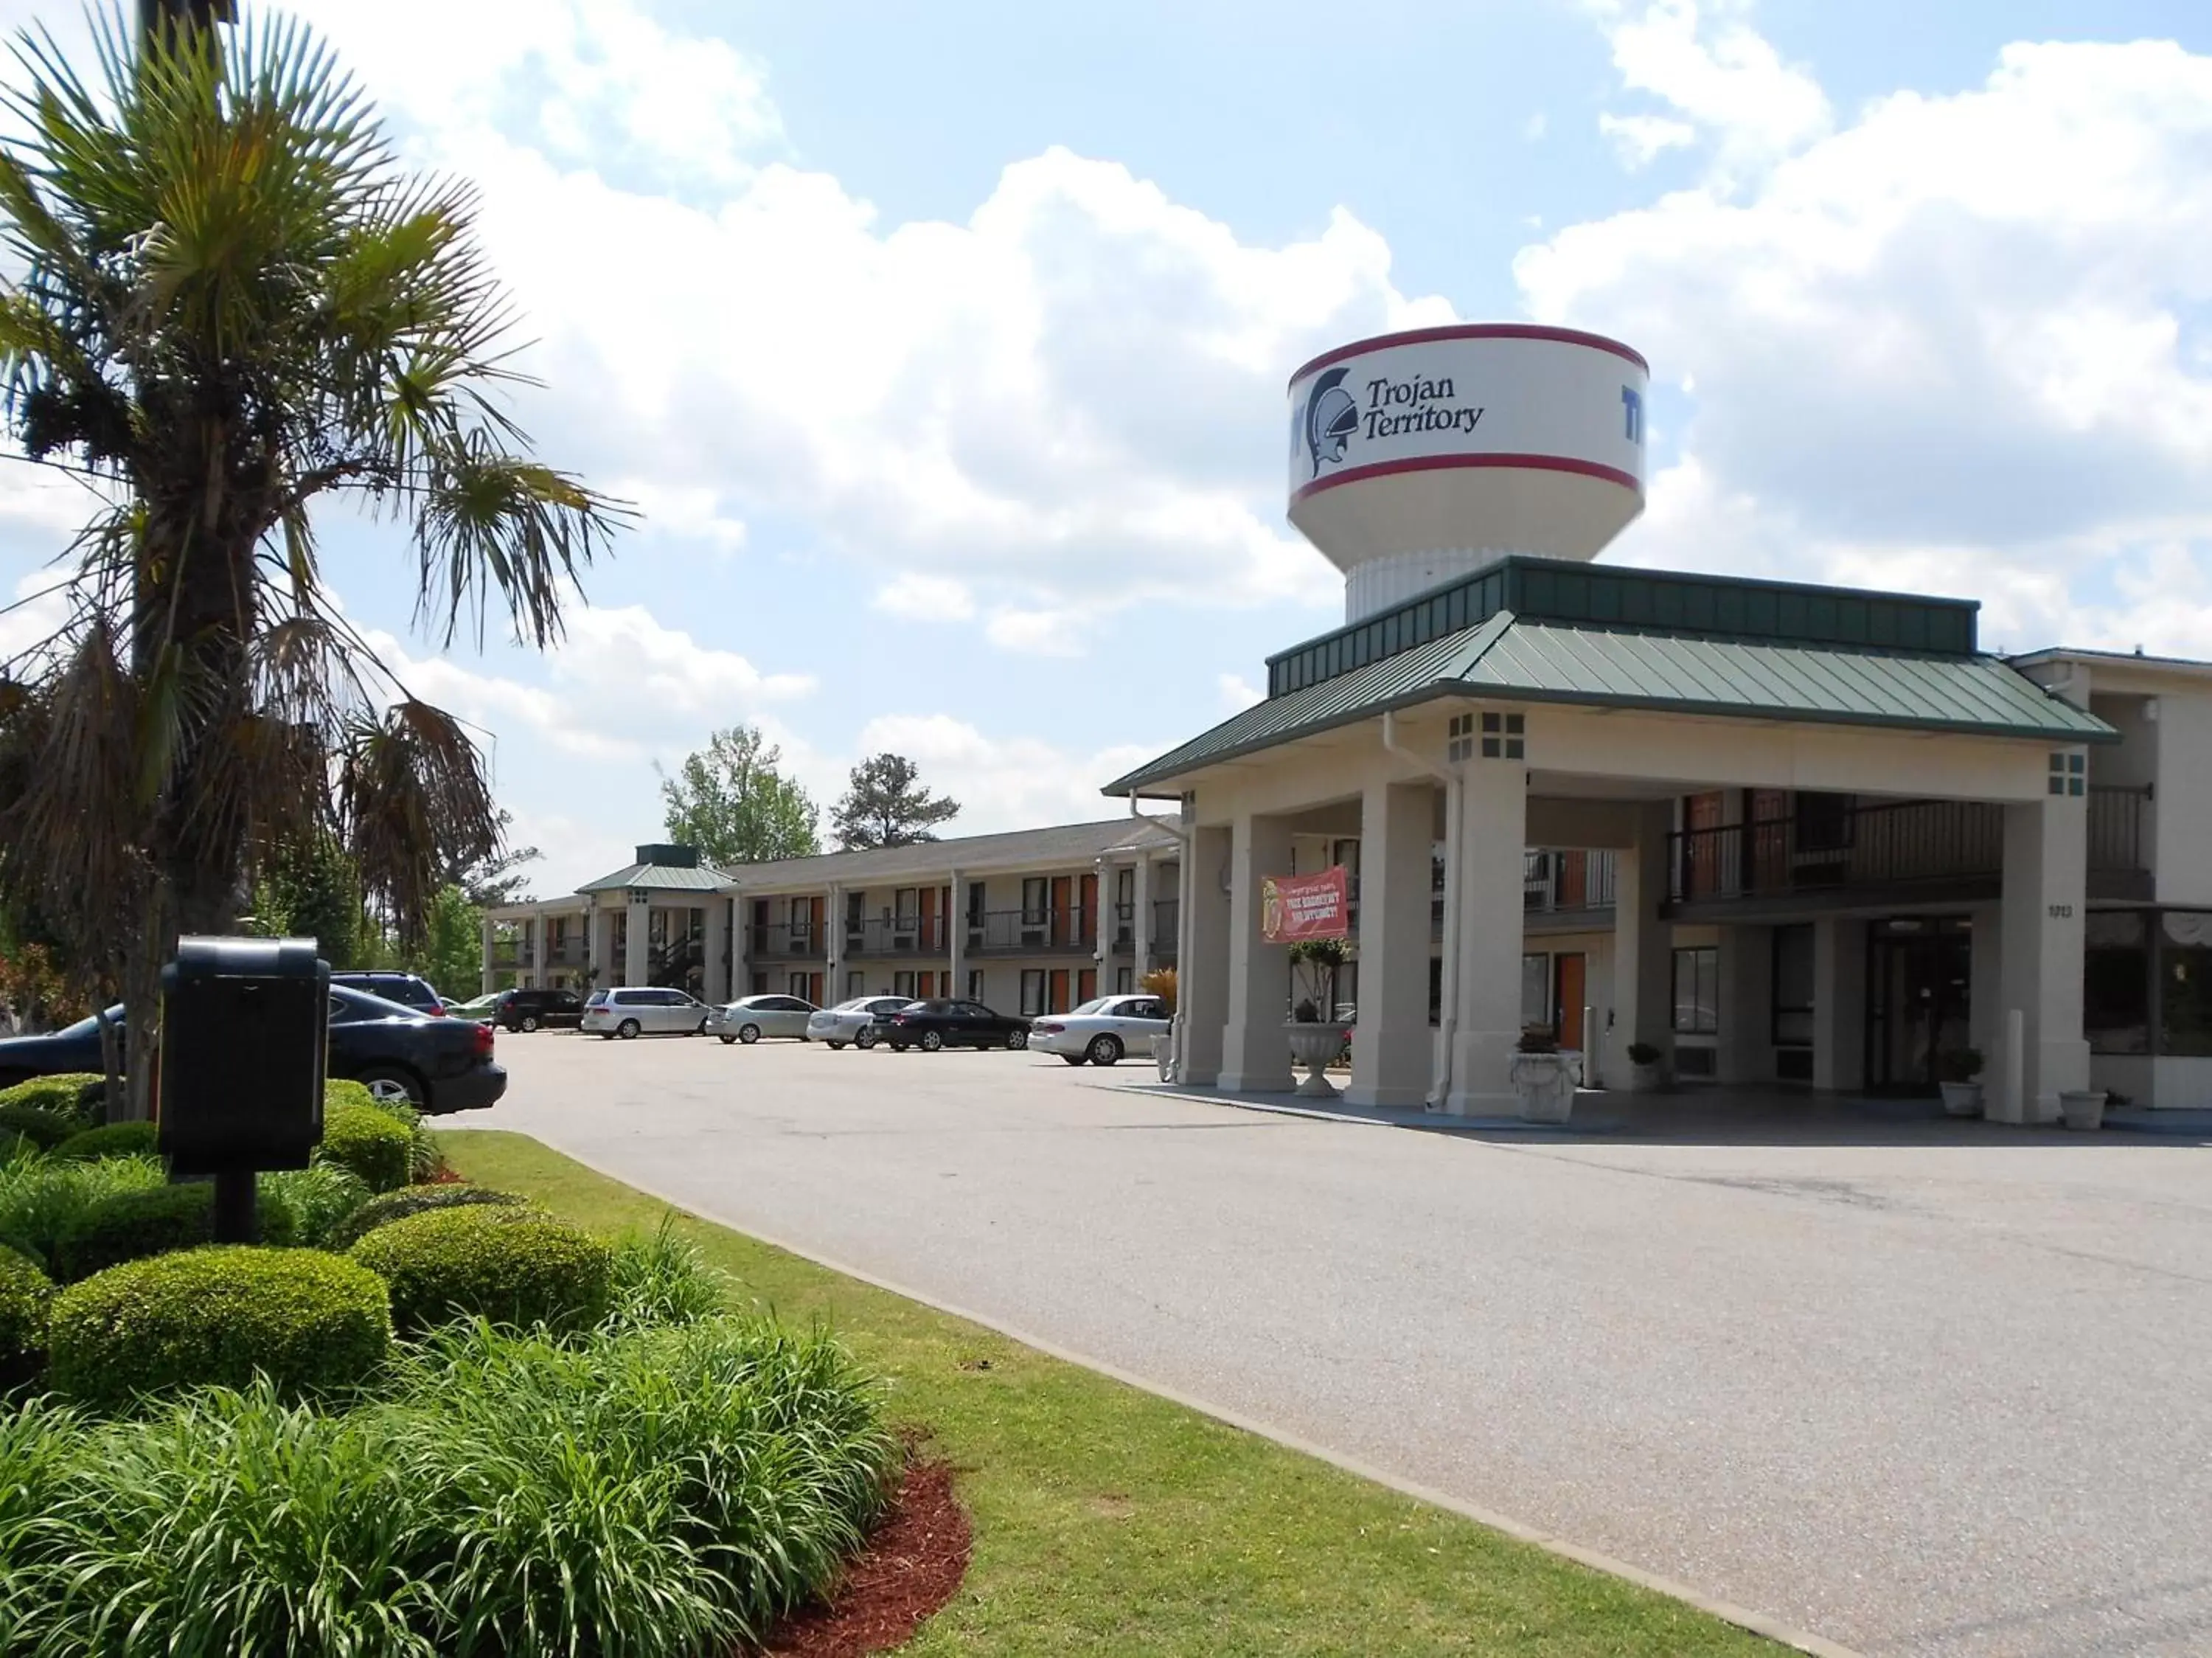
(232, 305)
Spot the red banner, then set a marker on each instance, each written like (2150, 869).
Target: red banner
(1292, 907)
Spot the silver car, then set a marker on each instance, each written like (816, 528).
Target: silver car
(1103, 1029)
(852, 1021)
(749, 1018)
(643, 1011)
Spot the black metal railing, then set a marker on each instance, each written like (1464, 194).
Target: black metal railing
(898, 935)
(1899, 843)
(2117, 813)
(1125, 926)
(788, 940)
(680, 964)
(1560, 882)
(1012, 931)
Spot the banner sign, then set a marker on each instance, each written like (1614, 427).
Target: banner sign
(1292, 907)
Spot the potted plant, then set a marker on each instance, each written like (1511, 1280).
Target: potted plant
(1956, 1069)
(1647, 1072)
(1542, 1076)
(1316, 1040)
(2082, 1109)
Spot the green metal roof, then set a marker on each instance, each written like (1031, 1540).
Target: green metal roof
(660, 878)
(1507, 658)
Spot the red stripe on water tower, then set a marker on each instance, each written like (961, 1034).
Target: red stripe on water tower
(1424, 463)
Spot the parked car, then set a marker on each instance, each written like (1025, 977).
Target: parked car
(530, 1009)
(941, 1023)
(1103, 1029)
(643, 1011)
(852, 1022)
(482, 1008)
(407, 990)
(439, 1064)
(749, 1018)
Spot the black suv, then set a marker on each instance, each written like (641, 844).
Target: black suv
(522, 1010)
(406, 989)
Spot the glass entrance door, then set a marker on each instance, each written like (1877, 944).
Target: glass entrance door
(1918, 972)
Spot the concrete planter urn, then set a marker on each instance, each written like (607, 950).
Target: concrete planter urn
(1961, 1098)
(2082, 1109)
(1313, 1046)
(1164, 1056)
(1546, 1085)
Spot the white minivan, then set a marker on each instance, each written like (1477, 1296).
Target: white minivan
(643, 1011)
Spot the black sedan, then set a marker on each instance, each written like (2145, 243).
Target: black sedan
(438, 1065)
(937, 1024)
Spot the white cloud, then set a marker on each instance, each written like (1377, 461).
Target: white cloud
(1705, 61)
(1003, 782)
(1238, 693)
(1535, 126)
(1037, 632)
(1957, 344)
(926, 598)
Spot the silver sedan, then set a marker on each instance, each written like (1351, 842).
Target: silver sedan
(749, 1018)
(1103, 1029)
(852, 1021)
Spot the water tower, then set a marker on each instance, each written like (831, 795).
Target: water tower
(1420, 456)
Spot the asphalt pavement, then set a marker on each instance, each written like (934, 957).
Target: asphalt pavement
(1918, 1388)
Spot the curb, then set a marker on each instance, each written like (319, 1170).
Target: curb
(1757, 1622)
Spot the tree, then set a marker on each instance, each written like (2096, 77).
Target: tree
(730, 802)
(226, 305)
(496, 878)
(886, 806)
(450, 953)
(313, 890)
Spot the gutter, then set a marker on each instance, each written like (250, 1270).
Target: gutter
(1184, 894)
(1448, 995)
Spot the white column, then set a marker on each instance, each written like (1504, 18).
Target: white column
(1840, 1021)
(636, 947)
(1391, 1056)
(1493, 829)
(1641, 943)
(1202, 959)
(833, 945)
(718, 944)
(2046, 861)
(1101, 925)
(741, 944)
(1255, 1054)
(1140, 921)
(599, 943)
(488, 975)
(955, 936)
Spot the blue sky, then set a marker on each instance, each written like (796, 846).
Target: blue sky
(943, 346)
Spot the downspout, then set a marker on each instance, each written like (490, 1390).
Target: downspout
(1448, 991)
(1185, 895)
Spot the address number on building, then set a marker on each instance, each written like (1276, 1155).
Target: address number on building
(2061, 913)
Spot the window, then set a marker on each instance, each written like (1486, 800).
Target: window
(1034, 901)
(798, 983)
(1536, 990)
(856, 983)
(1824, 822)
(1502, 736)
(760, 985)
(2116, 982)
(856, 909)
(1032, 984)
(907, 902)
(975, 904)
(902, 984)
(1792, 1006)
(975, 984)
(2185, 977)
(1436, 990)
(1123, 980)
(1698, 990)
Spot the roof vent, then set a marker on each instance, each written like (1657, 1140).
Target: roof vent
(669, 856)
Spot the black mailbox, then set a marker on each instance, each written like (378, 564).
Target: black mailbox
(245, 1027)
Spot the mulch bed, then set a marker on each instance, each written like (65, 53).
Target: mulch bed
(912, 1566)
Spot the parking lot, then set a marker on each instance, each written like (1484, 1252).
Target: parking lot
(1918, 1389)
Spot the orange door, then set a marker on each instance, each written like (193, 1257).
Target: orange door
(1086, 918)
(1567, 997)
(814, 980)
(1086, 985)
(1574, 884)
(930, 939)
(1056, 995)
(1063, 899)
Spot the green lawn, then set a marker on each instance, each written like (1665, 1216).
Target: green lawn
(1108, 1521)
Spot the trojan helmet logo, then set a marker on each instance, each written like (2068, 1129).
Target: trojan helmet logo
(1331, 418)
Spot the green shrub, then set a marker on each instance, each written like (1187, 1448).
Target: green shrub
(305, 1319)
(422, 1158)
(658, 1278)
(316, 1199)
(13, 1145)
(24, 1293)
(512, 1266)
(652, 1496)
(116, 1140)
(370, 1142)
(40, 1197)
(412, 1200)
(70, 1095)
(43, 1128)
(157, 1220)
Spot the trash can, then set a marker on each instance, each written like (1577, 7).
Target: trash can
(245, 1029)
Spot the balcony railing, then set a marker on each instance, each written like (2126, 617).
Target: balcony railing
(899, 935)
(1554, 882)
(1901, 843)
(1013, 932)
(791, 940)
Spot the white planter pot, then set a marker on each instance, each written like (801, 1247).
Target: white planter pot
(1164, 1056)
(1961, 1098)
(2083, 1109)
(1313, 1046)
(1546, 1085)
(1647, 1079)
